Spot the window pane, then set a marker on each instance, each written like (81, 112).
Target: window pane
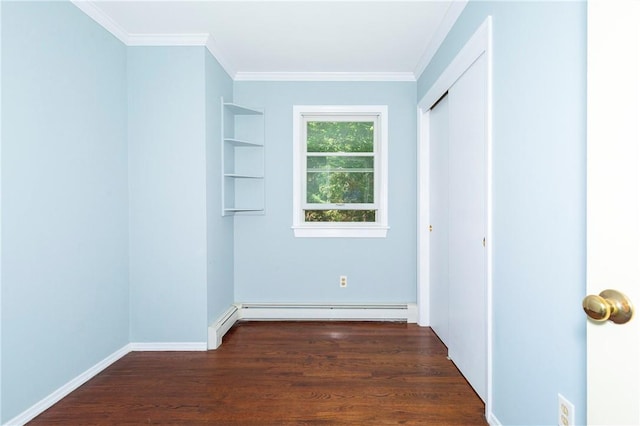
(340, 136)
(340, 164)
(339, 215)
(340, 179)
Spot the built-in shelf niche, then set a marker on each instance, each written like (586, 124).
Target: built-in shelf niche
(243, 190)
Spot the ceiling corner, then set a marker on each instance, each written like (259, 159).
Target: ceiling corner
(226, 65)
(449, 20)
(104, 20)
(200, 39)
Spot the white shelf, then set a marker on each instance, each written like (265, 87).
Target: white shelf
(238, 142)
(232, 210)
(242, 150)
(241, 110)
(241, 176)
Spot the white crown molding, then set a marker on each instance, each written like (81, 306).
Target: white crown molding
(95, 13)
(213, 48)
(325, 76)
(203, 39)
(450, 18)
(167, 39)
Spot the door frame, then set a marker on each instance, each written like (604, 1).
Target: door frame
(479, 43)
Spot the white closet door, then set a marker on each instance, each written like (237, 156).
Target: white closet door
(467, 195)
(439, 219)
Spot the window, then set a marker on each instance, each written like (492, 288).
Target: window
(340, 171)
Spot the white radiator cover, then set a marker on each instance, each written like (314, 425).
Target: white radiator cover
(219, 328)
(324, 312)
(404, 312)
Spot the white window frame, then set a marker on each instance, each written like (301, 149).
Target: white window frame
(376, 229)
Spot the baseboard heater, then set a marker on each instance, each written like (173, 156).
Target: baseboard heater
(221, 326)
(308, 312)
(320, 312)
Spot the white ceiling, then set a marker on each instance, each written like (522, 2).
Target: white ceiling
(253, 39)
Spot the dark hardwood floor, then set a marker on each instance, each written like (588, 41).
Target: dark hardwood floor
(278, 373)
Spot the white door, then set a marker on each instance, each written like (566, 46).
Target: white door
(613, 206)
(467, 220)
(439, 219)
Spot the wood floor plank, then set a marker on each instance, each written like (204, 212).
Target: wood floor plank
(283, 373)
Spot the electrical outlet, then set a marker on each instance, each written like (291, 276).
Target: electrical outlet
(566, 412)
(343, 281)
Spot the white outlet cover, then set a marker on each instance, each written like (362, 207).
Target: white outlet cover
(566, 412)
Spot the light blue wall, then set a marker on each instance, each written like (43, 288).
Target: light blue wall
(271, 265)
(64, 199)
(539, 159)
(83, 212)
(0, 211)
(219, 229)
(167, 194)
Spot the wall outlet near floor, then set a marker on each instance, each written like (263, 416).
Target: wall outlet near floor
(566, 412)
(343, 281)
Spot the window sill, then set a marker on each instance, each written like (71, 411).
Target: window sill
(374, 231)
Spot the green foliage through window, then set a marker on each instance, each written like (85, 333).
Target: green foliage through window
(339, 136)
(340, 169)
(339, 215)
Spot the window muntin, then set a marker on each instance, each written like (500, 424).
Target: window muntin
(340, 182)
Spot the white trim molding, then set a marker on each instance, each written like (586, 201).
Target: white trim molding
(94, 12)
(167, 346)
(318, 231)
(423, 253)
(47, 402)
(493, 420)
(247, 311)
(449, 20)
(214, 49)
(375, 113)
(168, 39)
(221, 326)
(479, 43)
(325, 76)
(91, 9)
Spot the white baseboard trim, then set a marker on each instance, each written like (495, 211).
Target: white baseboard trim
(313, 312)
(247, 311)
(493, 420)
(45, 403)
(412, 313)
(167, 346)
(220, 327)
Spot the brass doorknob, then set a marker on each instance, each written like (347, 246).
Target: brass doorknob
(609, 305)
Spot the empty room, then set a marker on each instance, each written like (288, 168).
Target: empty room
(319, 212)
